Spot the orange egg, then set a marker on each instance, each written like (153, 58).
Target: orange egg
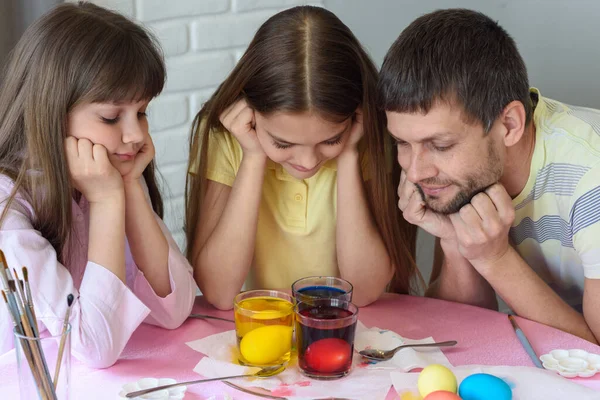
(442, 395)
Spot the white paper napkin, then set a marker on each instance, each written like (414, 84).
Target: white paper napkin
(405, 359)
(220, 346)
(360, 384)
(366, 381)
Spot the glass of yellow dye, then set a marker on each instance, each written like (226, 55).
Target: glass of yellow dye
(263, 326)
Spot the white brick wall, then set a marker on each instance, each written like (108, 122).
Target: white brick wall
(215, 31)
(202, 40)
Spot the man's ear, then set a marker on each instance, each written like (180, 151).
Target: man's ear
(514, 119)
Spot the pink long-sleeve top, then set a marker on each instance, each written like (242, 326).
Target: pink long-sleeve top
(105, 311)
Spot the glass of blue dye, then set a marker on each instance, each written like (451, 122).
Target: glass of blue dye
(321, 287)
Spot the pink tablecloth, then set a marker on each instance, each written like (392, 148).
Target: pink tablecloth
(484, 337)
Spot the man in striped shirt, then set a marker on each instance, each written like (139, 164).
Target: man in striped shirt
(507, 180)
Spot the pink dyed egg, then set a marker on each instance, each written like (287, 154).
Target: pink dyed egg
(442, 395)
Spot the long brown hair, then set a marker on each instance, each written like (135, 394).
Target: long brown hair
(305, 59)
(76, 53)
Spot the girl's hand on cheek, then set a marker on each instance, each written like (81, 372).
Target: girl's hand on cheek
(144, 156)
(356, 132)
(240, 121)
(91, 171)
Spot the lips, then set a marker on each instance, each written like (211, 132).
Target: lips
(433, 190)
(126, 156)
(302, 169)
(299, 168)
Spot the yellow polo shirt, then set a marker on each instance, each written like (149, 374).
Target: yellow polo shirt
(295, 236)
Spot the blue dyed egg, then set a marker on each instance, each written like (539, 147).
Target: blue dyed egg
(484, 387)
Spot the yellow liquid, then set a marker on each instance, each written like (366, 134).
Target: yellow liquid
(263, 328)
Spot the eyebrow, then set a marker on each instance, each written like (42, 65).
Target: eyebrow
(438, 135)
(336, 136)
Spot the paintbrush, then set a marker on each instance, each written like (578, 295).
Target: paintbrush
(11, 303)
(3, 275)
(24, 344)
(63, 338)
(524, 342)
(4, 272)
(21, 320)
(22, 299)
(9, 287)
(38, 358)
(13, 313)
(8, 284)
(31, 331)
(4, 264)
(29, 297)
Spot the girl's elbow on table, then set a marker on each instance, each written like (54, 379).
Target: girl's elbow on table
(217, 300)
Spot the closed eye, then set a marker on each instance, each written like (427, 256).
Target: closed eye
(334, 141)
(109, 120)
(281, 145)
(442, 148)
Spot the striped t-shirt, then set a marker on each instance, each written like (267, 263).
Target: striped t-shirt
(557, 224)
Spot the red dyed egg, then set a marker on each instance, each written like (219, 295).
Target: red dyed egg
(328, 355)
(442, 395)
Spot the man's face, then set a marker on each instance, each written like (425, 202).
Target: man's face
(448, 159)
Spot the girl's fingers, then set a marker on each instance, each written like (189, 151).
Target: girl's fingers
(84, 148)
(100, 154)
(231, 113)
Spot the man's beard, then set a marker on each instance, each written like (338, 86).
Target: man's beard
(472, 185)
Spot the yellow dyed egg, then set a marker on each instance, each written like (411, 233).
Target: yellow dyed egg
(410, 396)
(265, 345)
(436, 377)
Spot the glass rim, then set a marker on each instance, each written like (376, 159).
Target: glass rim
(37, 339)
(324, 277)
(249, 294)
(313, 303)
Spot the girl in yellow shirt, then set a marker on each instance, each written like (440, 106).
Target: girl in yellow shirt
(288, 172)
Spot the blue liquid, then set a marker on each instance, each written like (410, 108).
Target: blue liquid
(322, 292)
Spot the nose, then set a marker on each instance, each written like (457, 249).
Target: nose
(309, 159)
(134, 131)
(418, 166)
